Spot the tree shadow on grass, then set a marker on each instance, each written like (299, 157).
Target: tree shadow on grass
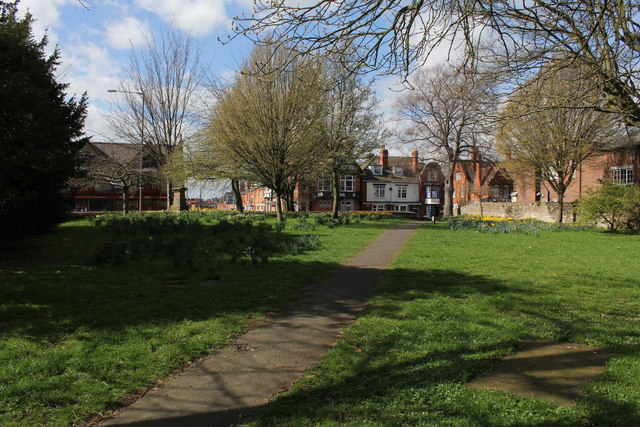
(374, 371)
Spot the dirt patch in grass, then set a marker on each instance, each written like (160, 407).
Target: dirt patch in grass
(548, 370)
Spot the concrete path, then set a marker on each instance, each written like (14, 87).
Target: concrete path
(231, 385)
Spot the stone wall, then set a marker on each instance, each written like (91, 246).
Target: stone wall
(542, 211)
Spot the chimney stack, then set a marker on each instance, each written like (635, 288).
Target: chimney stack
(384, 158)
(414, 159)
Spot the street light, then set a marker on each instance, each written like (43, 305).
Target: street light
(141, 142)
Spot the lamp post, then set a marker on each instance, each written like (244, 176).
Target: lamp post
(141, 142)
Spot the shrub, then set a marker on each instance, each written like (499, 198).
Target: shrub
(489, 224)
(618, 206)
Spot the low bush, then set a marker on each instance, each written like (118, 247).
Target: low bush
(491, 224)
(617, 206)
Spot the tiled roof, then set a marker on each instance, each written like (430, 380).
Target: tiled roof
(121, 152)
(408, 174)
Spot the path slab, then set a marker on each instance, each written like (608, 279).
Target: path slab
(547, 370)
(228, 387)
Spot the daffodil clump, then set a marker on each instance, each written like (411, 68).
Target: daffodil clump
(494, 224)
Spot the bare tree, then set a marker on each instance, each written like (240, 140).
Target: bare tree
(119, 169)
(353, 126)
(398, 36)
(158, 88)
(268, 123)
(448, 114)
(548, 130)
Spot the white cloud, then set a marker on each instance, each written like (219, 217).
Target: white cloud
(46, 15)
(126, 32)
(92, 70)
(46, 12)
(200, 17)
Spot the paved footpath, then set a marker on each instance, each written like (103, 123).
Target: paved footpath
(226, 388)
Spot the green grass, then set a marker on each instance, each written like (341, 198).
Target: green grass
(453, 302)
(78, 338)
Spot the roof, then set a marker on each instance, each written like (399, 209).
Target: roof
(122, 152)
(408, 174)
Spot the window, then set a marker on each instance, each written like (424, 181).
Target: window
(400, 208)
(377, 208)
(346, 205)
(402, 191)
(348, 183)
(397, 171)
(376, 169)
(324, 184)
(325, 203)
(378, 190)
(432, 176)
(432, 191)
(506, 193)
(496, 191)
(622, 175)
(458, 176)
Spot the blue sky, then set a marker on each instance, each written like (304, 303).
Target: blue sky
(95, 43)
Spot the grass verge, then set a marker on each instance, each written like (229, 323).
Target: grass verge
(80, 335)
(456, 300)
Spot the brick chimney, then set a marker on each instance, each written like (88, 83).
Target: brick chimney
(384, 158)
(414, 159)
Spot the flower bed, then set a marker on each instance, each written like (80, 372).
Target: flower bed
(493, 224)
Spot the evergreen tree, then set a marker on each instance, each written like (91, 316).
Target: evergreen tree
(41, 130)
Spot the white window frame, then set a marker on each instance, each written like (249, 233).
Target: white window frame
(623, 174)
(401, 191)
(432, 191)
(325, 203)
(432, 176)
(458, 176)
(376, 169)
(346, 205)
(379, 191)
(506, 191)
(325, 184)
(377, 208)
(400, 208)
(348, 183)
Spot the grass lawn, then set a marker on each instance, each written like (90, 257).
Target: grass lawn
(79, 337)
(456, 300)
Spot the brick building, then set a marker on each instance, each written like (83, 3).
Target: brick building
(478, 179)
(106, 192)
(620, 165)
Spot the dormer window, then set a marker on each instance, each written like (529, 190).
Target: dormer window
(376, 169)
(397, 171)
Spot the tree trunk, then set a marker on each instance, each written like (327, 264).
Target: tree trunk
(560, 213)
(279, 207)
(335, 178)
(481, 210)
(448, 200)
(291, 206)
(169, 195)
(235, 187)
(125, 199)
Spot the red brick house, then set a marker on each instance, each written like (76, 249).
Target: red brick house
(620, 165)
(394, 184)
(478, 179)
